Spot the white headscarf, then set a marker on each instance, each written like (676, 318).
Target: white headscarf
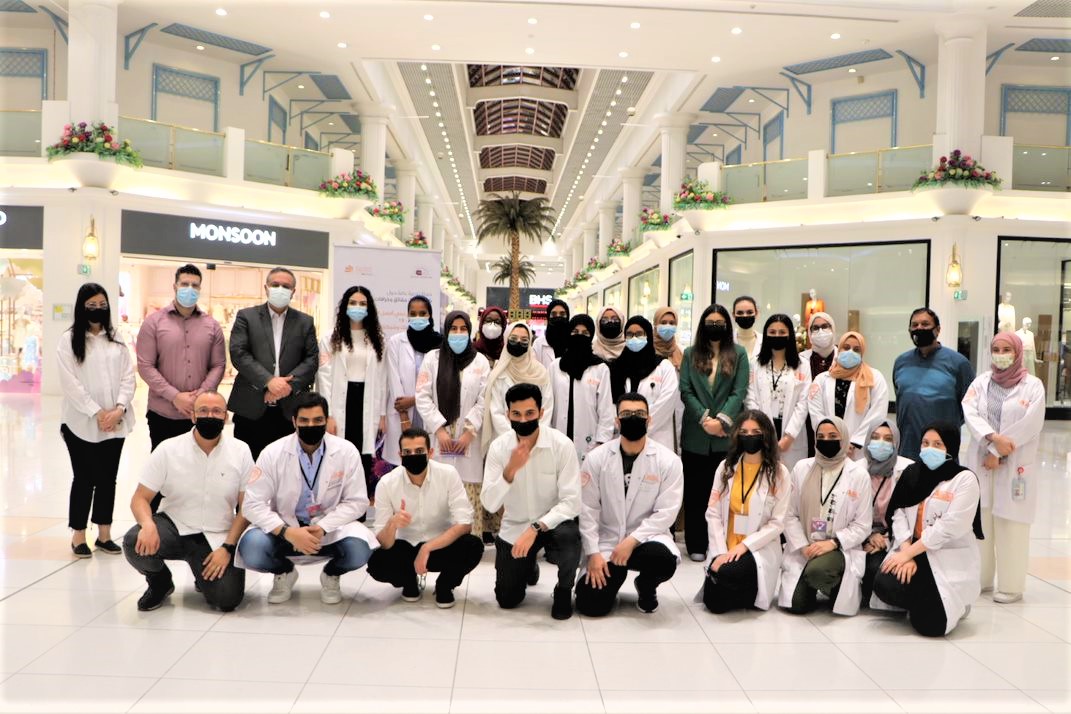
(523, 369)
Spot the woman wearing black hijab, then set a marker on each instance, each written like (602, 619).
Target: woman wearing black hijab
(641, 369)
(405, 354)
(555, 338)
(584, 407)
(934, 566)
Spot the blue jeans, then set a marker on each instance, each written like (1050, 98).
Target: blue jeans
(267, 553)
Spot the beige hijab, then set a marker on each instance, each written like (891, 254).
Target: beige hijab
(663, 348)
(811, 489)
(523, 369)
(606, 348)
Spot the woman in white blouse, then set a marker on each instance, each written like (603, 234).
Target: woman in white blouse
(405, 354)
(97, 377)
(778, 386)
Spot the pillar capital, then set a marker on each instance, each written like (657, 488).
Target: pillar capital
(633, 173)
(405, 167)
(677, 120)
(609, 206)
(959, 27)
(373, 112)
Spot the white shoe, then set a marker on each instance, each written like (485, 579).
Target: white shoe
(698, 557)
(331, 594)
(1005, 598)
(283, 587)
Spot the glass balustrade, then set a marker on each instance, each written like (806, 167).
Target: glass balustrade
(285, 165)
(167, 146)
(20, 133)
(1041, 168)
(743, 182)
(881, 171)
(766, 181)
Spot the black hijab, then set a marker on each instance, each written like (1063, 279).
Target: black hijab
(634, 365)
(448, 382)
(423, 341)
(918, 481)
(578, 355)
(557, 334)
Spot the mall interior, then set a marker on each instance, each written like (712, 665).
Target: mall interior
(815, 118)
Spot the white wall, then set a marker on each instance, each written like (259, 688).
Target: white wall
(1027, 128)
(25, 93)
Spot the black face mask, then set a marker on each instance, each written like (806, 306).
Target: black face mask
(209, 427)
(633, 428)
(524, 428)
(745, 323)
(558, 320)
(780, 342)
(827, 447)
(311, 435)
(580, 343)
(415, 464)
(516, 348)
(923, 338)
(97, 315)
(714, 333)
(751, 443)
(610, 328)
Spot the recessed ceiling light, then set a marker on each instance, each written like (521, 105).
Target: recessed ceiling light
(532, 21)
(835, 36)
(330, 123)
(751, 101)
(200, 47)
(624, 79)
(529, 50)
(429, 18)
(1054, 58)
(736, 30)
(441, 125)
(618, 92)
(635, 25)
(597, 138)
(342, 45)
(435, 48)
(301, 86)
(221, 12)
(609, 114)
(715, 59)
(423, 68)
(851, 70)
(438, 114)
(631, 109)
(622, 54)
(431, 93)
(435, 104)
(589, 154)
(613, 103)
(713, 134)
(427, 80)
(604, 122)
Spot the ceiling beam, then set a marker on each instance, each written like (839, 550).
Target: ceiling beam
(568, 97)
(542, 142)
(524, 171)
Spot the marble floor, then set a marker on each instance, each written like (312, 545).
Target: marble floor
(73, 639)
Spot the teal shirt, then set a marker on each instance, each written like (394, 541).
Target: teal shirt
(727, 397)
(928, 389)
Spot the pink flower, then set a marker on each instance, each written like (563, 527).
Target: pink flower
(334, 184)
(944, 159)
(939, 175)
(988, 175)
(115, 145)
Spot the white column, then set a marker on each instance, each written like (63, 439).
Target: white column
(406, 173)
(567, 263)
(591, 240)
(817, 174)
(92, 58)
(234, 153)
(607, 213)
(961, 61)
(578, 256)
(448, 254)
(631, 192)
(438, 237)
(374, 141)
(425, 215)
(674, 131)
(710, 171)
(341, 160)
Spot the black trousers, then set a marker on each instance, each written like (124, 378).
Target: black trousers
(511, 574)
(698, 480)
(258, 433)
(734, 587)
(95, 466)
(161, 429)
(655, 563)
(920, 598)
(873, 566)
(394, 565)
(226, 593)
(355, 431)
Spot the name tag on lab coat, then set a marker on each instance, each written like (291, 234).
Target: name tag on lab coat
(935, 508)
(819, 529)
(741, 523)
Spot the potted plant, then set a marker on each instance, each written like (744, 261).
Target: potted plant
(652, 220)
(351, 192)
(417, 241)
(699, 204)
(87, 148)
(511, 218)
(957, 183)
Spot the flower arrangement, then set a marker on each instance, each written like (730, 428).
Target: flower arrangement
(445, 273)
(345, 185)
(390, 211)
(417, 241)
(697, 194)
(618, 248)
(958, 169)
(655, 221)
(581, 276)
(99, 139)
(595, 264)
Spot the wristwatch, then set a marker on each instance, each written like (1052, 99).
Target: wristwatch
(282, 533)
(536, 527)
(836, 542)
(230, 548)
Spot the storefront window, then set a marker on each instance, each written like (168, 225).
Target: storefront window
(867, 287)
(21, 319)
(611, 297)
(644, 294)
(682, 296)
(593, 305)
(1034, 301)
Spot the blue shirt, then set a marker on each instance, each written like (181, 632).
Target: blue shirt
(310, 471)
(928, 389)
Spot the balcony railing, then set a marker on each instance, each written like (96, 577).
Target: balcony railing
(169, 146)
(881, 171)
(766, 181)
(1041, 168)
(20, 132)
(281, 165)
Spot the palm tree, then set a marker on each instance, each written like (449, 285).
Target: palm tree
(510, 217)
(504, 268)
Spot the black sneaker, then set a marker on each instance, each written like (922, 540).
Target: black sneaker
(562, 609)
(647, 603)
(108, 546)
(444, 598)
(81, 550)
(155, 595)
(533, 576)
(488, 538)
(411, 591)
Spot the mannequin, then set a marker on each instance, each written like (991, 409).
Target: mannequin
(1006, 314)
(813, 305)
(1029, 350)
(801, 333)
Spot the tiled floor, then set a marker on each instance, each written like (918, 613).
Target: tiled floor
(73, 639)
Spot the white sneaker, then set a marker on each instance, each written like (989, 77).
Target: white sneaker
(1005, 598)
(283, 587)
(698, 557)
(332, 589)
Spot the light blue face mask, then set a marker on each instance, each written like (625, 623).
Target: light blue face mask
(667, 332)
(880, 450)
(933, 458)
(357, 313)
(636, 344)
(849, 359)
(458, 343)
(419, 323)
(187, 296)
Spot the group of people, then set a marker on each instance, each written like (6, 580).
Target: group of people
(590, 442)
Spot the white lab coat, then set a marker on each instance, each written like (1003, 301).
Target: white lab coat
(331, 382)
(1021, 420)
(593, 406)
(543, 352)
(763, 532)
(951, 546)
(473, 383)
(403, 365)
(794, 416)
(852, 522)
(500, 415)
(662, 392)
(274, 487)
(822, 404)
(609, 515)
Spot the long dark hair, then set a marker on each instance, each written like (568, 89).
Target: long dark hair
(81, 322)
(703, 355)
(341, 336)
(792, 355)
(771, 453)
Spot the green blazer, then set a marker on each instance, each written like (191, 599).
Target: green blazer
(726, 398)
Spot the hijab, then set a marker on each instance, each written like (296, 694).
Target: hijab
(634, 365)
(523, 369)
(1011, 376)
(557, 333)
(579, 355)
(861, 374)
(448, 382)
(491, 349)
(423, 341)
(832, 325)
(667, 349)
(917, 481)
(880, 472)
(811, 489)
(608, 349)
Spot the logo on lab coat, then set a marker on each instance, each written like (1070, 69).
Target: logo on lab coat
(254, 474)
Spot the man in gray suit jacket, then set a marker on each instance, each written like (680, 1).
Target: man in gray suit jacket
(273, 347)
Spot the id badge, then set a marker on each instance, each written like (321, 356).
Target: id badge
(740, 524)
(935, 508)
(819, 529)
(315, 510)
(1019, 488)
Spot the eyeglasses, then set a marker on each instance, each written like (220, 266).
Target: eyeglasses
(816, 327)
(96, 306)
(628, 414)
(714, 322)
(630, 335)
(218, 412)
(518, 340)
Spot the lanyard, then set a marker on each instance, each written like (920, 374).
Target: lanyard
(744, 496)
(776, 377)
(833, 487)
(315, 476)
(878, 491)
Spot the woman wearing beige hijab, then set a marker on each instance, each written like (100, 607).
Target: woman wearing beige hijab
(517, 365)
(609, 334)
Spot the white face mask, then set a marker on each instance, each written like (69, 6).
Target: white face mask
(492, 331)
(279, 297)
(822, 339)
(1003, 361)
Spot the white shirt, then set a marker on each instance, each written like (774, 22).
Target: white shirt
(104, 380)
(277, 320)
(436, 505)
(546, 490)
(200, 490)
(357, 358)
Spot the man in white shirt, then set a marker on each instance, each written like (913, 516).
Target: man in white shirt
(203, 474)
(632, 491)
(533, 472)
(423, 523)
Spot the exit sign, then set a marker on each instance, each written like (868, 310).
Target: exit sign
(959, 295)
